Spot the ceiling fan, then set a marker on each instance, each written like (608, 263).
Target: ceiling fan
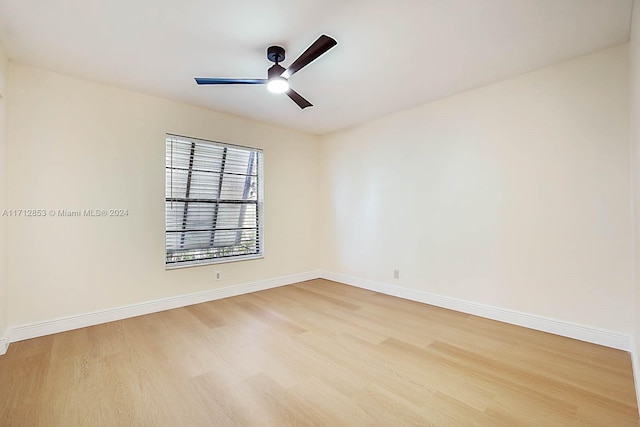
(277, 80)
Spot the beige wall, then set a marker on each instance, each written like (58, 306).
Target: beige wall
(514, 195)
(634, 48)
(4, 66)
(80, 145)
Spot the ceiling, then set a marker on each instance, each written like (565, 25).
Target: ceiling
(391, 54)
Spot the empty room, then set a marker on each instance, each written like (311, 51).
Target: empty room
(329, 213)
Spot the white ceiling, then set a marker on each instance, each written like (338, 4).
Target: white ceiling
(391, 54)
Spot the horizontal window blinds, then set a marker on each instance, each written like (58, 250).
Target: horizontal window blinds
(213, 202)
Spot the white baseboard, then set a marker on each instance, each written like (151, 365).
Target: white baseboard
(4, 344)
(554, 326)
(38, 329)
(558, 327)
(636, 371)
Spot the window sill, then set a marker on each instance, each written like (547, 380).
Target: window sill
(179, 265)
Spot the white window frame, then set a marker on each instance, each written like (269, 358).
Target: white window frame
(206, 255)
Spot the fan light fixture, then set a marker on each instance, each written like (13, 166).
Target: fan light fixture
(278, 85)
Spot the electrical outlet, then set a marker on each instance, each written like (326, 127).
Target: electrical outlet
(396, 274)
(218, 275)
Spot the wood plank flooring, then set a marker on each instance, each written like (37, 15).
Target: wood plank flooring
(317, 353)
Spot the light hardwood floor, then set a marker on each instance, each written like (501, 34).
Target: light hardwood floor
(315, 353)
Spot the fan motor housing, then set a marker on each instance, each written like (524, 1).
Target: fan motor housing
(275, 71)
(275, 54)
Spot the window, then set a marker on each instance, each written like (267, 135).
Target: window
(213, 202)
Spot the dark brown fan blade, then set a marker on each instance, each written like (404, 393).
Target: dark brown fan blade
(298, 99)
(225, 81)
(313, 52)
